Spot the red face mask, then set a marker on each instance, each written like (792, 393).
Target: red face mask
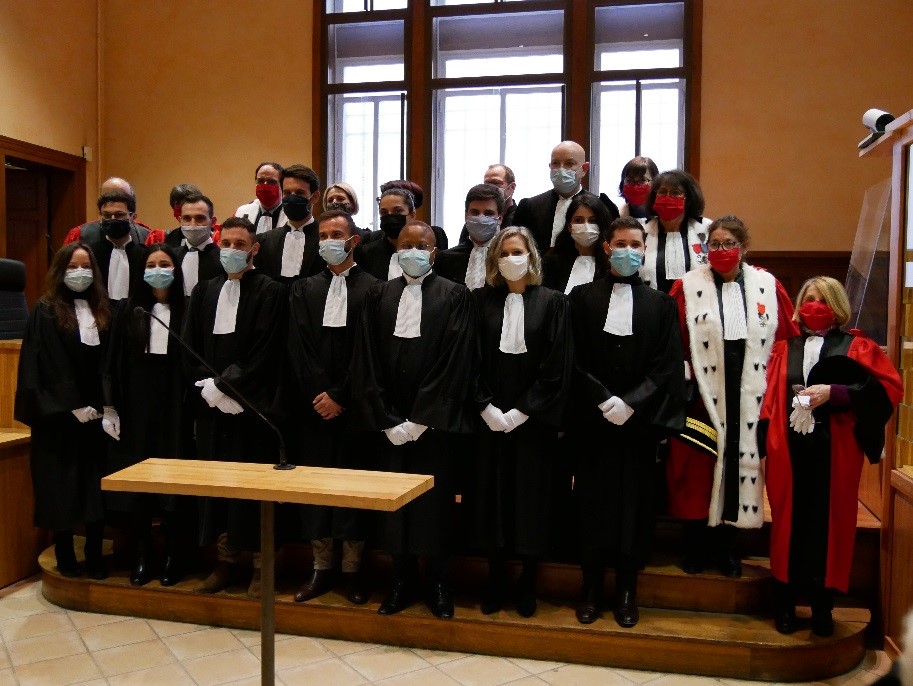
(724, 261)
(636, 193)
(177, 210)
(817, 316)
(668, 208)
(268, 195)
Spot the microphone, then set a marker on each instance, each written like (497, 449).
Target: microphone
(283, 462)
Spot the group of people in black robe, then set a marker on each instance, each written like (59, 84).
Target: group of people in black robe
(545, 408)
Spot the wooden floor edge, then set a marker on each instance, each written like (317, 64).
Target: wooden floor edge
(814, 660)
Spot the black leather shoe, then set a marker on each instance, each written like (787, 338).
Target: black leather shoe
(730, 566)
(625, 611)
(171, 570)
(785, 620)
(588, 611)
(693, 564)
(320, 582)
(526, 601)
(142, 572)
(493, 600)
(440, 602)
(398, 600)
(822, 623)
(356, 587)
(66, 559)
(96, 569)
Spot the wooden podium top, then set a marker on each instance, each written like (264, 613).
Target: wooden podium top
(386, 491)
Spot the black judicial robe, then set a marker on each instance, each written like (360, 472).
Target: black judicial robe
(453, 262)
(616, 465)
(250, 360)
(318, 360)
(557, 266)
(269, 258)
(813, 479)
(58, 374)
(509, 498)
(425, 380)
(149, 393)
(136, 258)
(210, 264)
(374, 257)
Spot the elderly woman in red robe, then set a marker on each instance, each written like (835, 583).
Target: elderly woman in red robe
(829, 396)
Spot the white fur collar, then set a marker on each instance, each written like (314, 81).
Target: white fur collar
(697, 236)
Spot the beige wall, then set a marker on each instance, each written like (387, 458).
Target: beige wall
(48, 51)
(198, 91)
(785, 84)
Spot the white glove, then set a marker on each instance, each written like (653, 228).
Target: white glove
(514, 418)
(86, 414)
(397, 435)
(210, 392)
(414, 430)
(619, 413)
(801, 419)
(229, 405)
(607, 405)
(494, 418)
(110, 423)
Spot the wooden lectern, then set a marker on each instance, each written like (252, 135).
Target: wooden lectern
(385, 491)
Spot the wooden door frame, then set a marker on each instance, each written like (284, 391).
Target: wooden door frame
(66, 200)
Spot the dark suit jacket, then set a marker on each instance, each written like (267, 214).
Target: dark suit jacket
(210, 264)
(102, 249)
(269, 257)
(452, 263)
(374, 257)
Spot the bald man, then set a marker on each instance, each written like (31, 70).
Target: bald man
(544, 214)
(412, 365)
(90, 232)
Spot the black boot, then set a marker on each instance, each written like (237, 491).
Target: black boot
(728, 561)
(526, 588)
(695, 558)
(822, 602)
(171, 567)
(142, 570)
(784, 608)
(493, 600)
(625, 610)
(95, 562)
(589, 609)
(65, 554)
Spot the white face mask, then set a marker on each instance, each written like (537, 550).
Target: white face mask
(584, 234)
(513, 267)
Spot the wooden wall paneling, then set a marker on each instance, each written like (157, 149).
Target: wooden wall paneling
(20, 541)
(901, 555)
(9, 369)
(792, 268)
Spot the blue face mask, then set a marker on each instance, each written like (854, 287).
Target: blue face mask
(415, 262)
(78, 280)
(481, 228)
(233, 261)
(626, 261)
(159, 277)
(333, 250)
(564, 180)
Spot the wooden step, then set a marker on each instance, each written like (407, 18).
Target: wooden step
(733, 645)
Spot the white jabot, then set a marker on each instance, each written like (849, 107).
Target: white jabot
(337, 304)
(513, 339)
(227, 307)
(734, 326)
(674, 256)
(475, 270)
(119, 274)
(88, 330)
(158, 334)
(621, 311)
(394, 271)
(409, 313)
(265, 223)
(811, 354)
(190, 265)
(560, 215)
(293, 251)
(582, 272)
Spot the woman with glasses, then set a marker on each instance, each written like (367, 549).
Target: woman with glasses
(731, 314)
(829, 396)
(634, 188)
(577, 256)
(676, 232)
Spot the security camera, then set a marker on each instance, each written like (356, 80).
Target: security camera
(875, 121)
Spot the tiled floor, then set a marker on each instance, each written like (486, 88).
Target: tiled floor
(44, 644)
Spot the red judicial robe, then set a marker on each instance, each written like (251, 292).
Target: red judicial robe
(814, 527)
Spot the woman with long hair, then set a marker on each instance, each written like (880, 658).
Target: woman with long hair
(59, 396)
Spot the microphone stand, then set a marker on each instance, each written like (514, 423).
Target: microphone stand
(283, 462)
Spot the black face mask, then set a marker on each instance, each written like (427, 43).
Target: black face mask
(392, 224)
(296, 207)
(115, 228)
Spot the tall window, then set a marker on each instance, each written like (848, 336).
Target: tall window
(436, 91)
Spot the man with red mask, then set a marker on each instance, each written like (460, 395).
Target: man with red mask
(266, 212)
(676, 231)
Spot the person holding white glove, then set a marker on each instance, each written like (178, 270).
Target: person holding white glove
(524, 336)
(59, 395)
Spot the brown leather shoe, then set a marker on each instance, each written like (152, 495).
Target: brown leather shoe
(219, 580)
(321, 581)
